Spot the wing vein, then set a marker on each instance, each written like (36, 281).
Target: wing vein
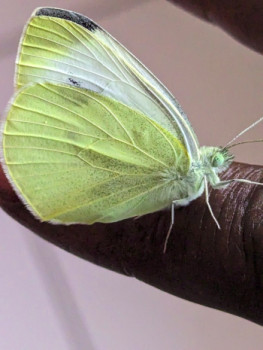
(45, 29)
(66, 64)
(71, 111)
(53, 80)
(56, 127)
(40, 113)
(41, 149)
(44, 138)
(56, 70)
(99, 43)
(54, 42)
(107, 196)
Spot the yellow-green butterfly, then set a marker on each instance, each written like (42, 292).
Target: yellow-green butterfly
(91, 135)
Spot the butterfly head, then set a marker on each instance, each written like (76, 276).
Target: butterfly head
(215, 159)
(221, 159)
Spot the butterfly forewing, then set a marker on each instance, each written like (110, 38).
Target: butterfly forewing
(64, 47)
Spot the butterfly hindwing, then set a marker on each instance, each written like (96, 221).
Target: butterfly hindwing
(77, 156)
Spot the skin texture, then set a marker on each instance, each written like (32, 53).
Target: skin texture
(240, 18)
(221, 269)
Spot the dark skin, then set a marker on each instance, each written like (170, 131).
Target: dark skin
(223, 268)
(240, 18)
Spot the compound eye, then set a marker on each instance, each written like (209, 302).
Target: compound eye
(218, 160)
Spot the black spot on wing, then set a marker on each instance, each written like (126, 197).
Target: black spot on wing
(74, 82)
(68, 15)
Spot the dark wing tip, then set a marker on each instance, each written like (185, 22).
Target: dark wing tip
(68, 15)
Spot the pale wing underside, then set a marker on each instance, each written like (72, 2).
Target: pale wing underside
(76, 156)
(64, 47)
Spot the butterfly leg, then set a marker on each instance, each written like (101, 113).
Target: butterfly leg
(208, 204)
(175, 203)
(227, 182)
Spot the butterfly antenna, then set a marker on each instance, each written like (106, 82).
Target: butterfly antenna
(170, 228)
(208, 204)
(243, 142)
(244, 131)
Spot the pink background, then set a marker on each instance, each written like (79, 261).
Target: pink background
(50, 299)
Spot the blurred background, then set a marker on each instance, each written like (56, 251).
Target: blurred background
(50, 299)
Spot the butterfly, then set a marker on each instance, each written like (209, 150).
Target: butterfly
(91, 135)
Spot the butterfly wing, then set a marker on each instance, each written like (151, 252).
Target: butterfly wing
(74, 155)
(61, 46)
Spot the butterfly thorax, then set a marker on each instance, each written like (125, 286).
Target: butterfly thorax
(212, 161)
